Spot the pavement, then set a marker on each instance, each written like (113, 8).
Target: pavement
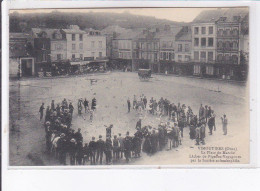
(27, 136)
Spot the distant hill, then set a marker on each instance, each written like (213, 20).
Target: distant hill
(24, 22)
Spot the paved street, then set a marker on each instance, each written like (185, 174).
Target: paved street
(27, 136)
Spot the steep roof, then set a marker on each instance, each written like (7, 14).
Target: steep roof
(210, 16)
(128, 35)
(48, 31)
(168, 33)
(184, 34)
(113, 28)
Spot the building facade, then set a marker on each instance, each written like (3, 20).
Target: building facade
(94, 44)
(146, 49)
(74, 42)
(21, 60)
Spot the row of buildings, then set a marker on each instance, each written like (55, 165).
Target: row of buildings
(43, 49)
(215, 44)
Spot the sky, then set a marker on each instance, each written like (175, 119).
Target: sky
(173, 14)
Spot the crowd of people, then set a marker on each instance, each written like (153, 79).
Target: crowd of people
(63, 141)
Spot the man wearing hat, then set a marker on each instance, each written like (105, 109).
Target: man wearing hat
(109, 131)
(92, 150)
(127, 146)
(41, 111)
(139, 124)
(100, 149)
(78, 135)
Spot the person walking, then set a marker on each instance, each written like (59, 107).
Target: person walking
(128, 105)
(94, 104)
(41, 111)
(145, 101)
(224, 124)
(85, 103)
(115, 148)
(121, 145)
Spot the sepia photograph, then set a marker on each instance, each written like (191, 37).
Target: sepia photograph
(108, 87)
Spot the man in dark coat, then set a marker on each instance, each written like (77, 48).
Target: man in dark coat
(85, 104)
(127, 146)
(145, 101)
(92, 149)
(108, 150)
(100, 149)
(109, 131)
(78, 136)
(128, 105)
(71, 108)
(41, 111)
(210, 124)
(94, 104)
(139, 124)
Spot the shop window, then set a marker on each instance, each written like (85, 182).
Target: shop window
(209, 70)
(196, 69)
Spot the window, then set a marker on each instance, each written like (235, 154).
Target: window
(235, 31)
(210, 56)
(210, 42)
(231, 72)
(81, 56)
(196, 55)
(220, 57)
(220, 32)
(92, 44)
(235, 45)
(44, 57)
(100, 54)
(59, 56)
(196, 41)
(187, 48)
(228, 32)
(228, 45)
(196, 30)
(227, 57)
(209, 70)
(81, 37)
(43, 46)
(99, 44)
(196, 69)
(179, 47)
(81, 46)
(179, 58)
(210, 30)
(73, 47)
(235, 59)
(73, 37)
(220, 45)
(203, 56)
(187, 58)
(203, 30)
(167, 55)
(164, 56)
(203, 41)
(73, 56)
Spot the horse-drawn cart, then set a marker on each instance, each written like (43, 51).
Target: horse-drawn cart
(144, 74)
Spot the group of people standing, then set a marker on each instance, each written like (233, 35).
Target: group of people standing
(63, 141)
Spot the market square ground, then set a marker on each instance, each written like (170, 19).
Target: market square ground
(27, 136)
